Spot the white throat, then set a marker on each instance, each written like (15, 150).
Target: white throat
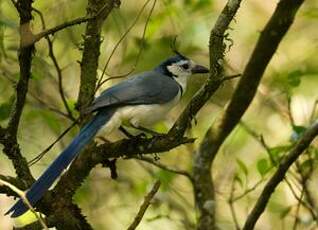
(179, 75)
(182, 81)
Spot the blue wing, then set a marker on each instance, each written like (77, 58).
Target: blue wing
(146, 88)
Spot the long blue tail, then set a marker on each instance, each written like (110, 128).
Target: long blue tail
(45, 181)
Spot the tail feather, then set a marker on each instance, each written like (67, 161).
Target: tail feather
(45, 181)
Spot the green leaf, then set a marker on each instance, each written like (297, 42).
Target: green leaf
(165, 178)
(285, 212)
(5, 109)
(299, 129)
(277, 152)
(242, 166)
(263, 166)
(294, 78)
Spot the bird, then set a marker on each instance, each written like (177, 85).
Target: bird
(141, 100)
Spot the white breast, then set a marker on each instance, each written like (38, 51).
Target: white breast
(140, 115)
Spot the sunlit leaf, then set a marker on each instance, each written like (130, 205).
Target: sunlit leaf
(165, 178)
(263, 166)
(285, 212)
(277, 152)
(297, 132)
(294, 78)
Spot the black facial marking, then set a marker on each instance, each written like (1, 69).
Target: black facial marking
(162, 68)
(185, 66)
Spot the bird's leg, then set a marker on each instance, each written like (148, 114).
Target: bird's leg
(129, 135)
(149, 131)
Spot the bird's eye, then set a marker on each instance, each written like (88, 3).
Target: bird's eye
(185, 66)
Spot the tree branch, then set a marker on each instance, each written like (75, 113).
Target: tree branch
(279, 175)
(244, 93)
(92, 41)
(203, 184)
(33, 38)
(165, 167)
(22, 195)
(94, 155)
(265, 48)
(11, 147)
(14, 181)
(145, 205)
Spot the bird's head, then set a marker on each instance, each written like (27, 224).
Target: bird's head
(180, 66)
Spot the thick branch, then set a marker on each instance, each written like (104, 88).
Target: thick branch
(279, 175)
(11, 147)
(203, 185)
(266, 46)
(92, 41)
(94, 155)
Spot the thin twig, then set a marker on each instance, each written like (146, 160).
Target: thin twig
(165, 167)
(42, 154)
(101, 81)
(47, 32)
(296, 221)
(231, 202)
(226, 78)
(49, 107)
(144, 206)
(57, 67)
(25, 200)
(247, 191)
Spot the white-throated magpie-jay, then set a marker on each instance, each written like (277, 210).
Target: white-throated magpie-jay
(140, 100)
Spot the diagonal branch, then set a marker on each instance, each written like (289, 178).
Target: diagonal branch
(33, 38)
(265, 48)
(145, 205)
(308, 136)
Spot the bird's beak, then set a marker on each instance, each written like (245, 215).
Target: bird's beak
(199, 69)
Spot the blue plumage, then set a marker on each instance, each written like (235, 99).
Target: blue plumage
(86, 134)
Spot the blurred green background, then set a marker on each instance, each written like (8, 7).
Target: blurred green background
(109, 204)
